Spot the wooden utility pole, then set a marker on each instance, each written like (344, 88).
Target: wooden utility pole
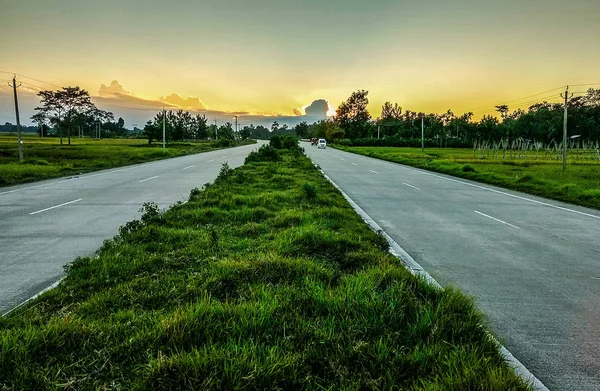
(216, 130)
(566, 96)
(15, 86)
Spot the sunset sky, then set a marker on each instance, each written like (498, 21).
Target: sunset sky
(275, 57)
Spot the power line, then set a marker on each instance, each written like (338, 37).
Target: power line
(588, 84)
(539, 100)
(531, 96)
(39, 81)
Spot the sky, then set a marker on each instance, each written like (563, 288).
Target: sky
(267, 60)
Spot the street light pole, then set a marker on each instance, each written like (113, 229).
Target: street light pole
(164, 127)
(422, 136)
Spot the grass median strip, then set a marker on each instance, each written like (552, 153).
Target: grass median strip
(579, 184)
(265, 279)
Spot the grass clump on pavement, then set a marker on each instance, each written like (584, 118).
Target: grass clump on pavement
(266, 279)
(579, 184)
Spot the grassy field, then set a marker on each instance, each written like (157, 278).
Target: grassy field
(46, 158)
(266, 279)
(579, 184)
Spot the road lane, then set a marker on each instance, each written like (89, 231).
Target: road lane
(538, 285)
(48, 224)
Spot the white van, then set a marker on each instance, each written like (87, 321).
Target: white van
(322, 143)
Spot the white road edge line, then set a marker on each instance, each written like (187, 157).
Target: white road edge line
(211, 160)
(34, 296)
(147, 179)
(409, 185)
(495, 219)
(188, 167)
(55, 206)
(508, 194)
(355, 164)
(416, 269)
(374, 172)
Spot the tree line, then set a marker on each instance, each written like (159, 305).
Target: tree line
(70, 111)
(541, 122)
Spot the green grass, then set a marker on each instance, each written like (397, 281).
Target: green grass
(266, 279)
(46, 158)
(579, 184)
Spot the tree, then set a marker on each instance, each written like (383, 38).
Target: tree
(226, 132)
(353, 117)
(275, 126)
(503, 110)
(301, 130)
(391, 113)
(246, 132)
(200, 127)
(65, 108)
(152, 131)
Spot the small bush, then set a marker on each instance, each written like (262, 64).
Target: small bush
(266, 153)
(224, 173)
(525, 179)
(468, 168)
(345, 142)
(289, 142)
(222, 143)
(310, 191)
(35, 162)
(276, 141)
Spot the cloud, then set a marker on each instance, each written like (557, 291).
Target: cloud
(317, 108)
(297, 112)
(114, 89)
(191, 103)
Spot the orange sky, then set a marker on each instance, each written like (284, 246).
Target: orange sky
(270, 57)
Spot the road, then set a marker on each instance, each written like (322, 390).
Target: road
(47, 224)
(533, 265)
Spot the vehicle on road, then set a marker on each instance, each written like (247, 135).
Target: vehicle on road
(322, 143)
(313, 141)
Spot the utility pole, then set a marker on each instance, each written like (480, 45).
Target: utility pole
(378, 132)
(236, 124)
(422, 136)
(566, 96)
(164, 127)
(216, 130)
(15, 86)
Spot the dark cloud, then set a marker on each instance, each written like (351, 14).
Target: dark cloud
(114, 89)
(297, 111)
(191, 103)
(317, 108)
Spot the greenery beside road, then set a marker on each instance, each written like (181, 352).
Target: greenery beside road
(579, 184)
(266, 279)
(45, 158)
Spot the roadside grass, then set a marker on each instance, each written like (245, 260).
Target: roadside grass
(579, 184)
(265, 279)
(45, 158)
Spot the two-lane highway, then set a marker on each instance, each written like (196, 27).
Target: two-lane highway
(533, 265)
(48, 224)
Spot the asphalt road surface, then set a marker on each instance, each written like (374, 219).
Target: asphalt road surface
(533, 265)
(47, 224)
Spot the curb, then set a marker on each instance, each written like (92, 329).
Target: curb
(418, 270)
(54, 285)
